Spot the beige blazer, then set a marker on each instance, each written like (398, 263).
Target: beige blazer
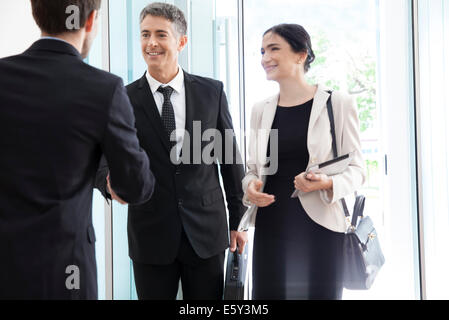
(323, 207)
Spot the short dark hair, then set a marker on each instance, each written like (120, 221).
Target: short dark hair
(167, 11)
(51, 16)
(298, 38)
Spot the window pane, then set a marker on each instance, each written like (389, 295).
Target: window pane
(213, 48)
(433, 34)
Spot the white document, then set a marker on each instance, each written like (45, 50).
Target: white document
(330, 168)
(248, 220)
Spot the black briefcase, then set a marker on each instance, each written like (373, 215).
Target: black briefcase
(236, 275)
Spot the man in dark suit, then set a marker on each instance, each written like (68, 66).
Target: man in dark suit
(58, 116)
(182, 232)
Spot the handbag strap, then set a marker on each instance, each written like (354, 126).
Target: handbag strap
(334, 143)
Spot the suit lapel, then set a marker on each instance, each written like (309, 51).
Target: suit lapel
(194, 112)
(268, 113)
(191, 112)
(150, 109)
(316, 134)
(319, 102)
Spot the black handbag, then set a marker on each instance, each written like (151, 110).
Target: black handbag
(236, 275)
(362, 254)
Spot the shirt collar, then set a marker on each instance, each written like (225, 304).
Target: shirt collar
(54, 38)
(177, 82)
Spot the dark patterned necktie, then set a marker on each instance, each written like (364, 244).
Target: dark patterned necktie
(168, 114)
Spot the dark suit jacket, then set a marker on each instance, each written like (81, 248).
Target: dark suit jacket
(186, 196)
(58, 115)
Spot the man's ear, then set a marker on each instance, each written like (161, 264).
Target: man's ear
(91, 20)
(182, 43)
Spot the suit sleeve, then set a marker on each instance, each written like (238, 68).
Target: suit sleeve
(129, 166)
(251, 173)
(100, 178)
(231, 165)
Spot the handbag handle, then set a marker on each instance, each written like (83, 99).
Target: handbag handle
(360, 200)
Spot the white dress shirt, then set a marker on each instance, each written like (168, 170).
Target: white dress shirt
(178, 100)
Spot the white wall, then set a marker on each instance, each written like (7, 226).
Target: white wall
(17, 27)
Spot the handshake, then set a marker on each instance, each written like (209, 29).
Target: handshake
(114, 196)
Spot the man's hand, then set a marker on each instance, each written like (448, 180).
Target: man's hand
(114, 196)
(238, 239)
(260, 199)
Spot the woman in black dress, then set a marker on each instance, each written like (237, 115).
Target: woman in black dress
(295, 256)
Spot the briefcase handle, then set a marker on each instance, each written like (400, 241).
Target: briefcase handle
(235, 257)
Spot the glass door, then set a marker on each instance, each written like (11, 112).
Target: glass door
(127, 63)
(99, 206)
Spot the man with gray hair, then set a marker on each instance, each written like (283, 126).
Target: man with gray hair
(182, 232)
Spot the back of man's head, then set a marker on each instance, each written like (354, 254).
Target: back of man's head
(52, 16)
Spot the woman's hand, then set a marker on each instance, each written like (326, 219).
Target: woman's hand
(260, 199)
(308, 182)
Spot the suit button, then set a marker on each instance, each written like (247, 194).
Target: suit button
(180, 203)
(178, 171)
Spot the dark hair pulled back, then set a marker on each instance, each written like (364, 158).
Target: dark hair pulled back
(297, 37)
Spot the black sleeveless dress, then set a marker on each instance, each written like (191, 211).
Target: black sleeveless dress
(293, 257)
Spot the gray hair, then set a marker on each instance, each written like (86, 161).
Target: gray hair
(167, 11)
